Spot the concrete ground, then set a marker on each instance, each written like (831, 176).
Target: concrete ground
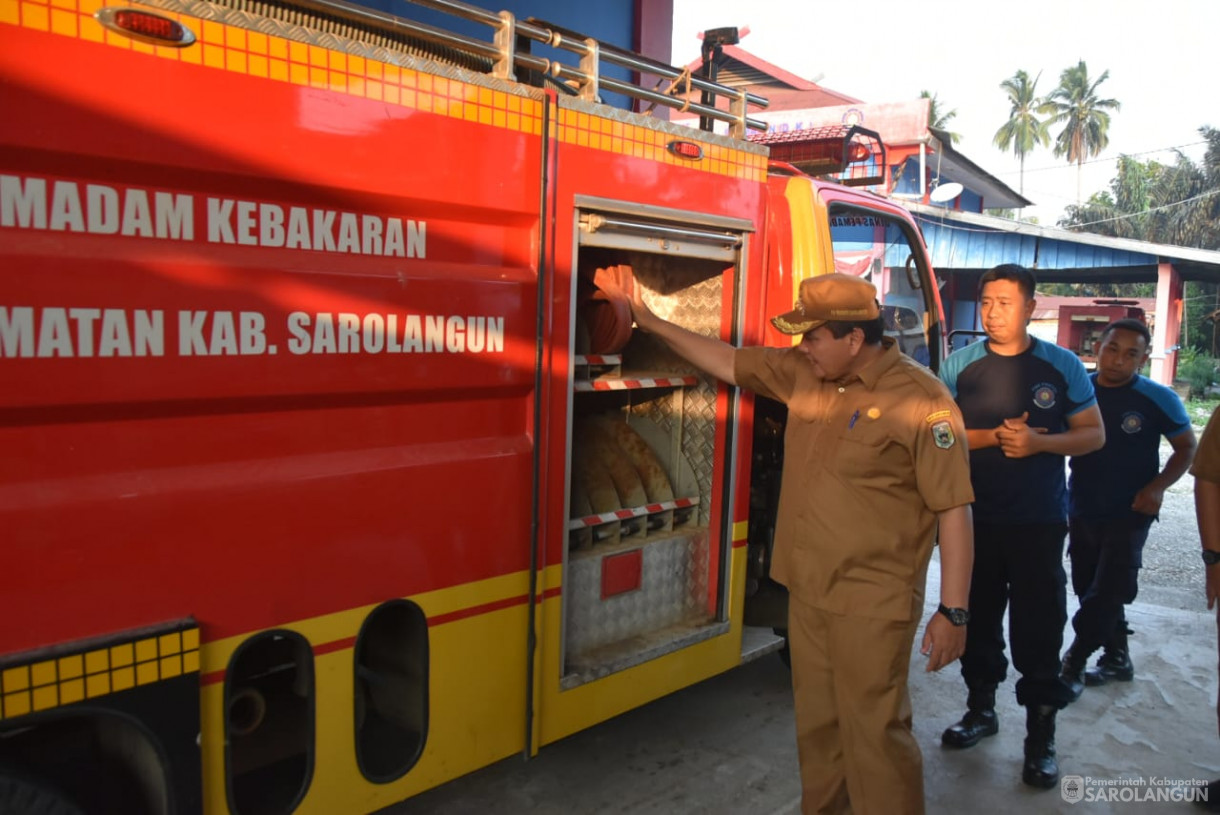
(726, 745)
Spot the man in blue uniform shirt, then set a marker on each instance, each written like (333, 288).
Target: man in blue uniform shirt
(1026, 404)
(1114, 495)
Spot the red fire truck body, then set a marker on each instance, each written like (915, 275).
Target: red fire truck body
(297, 382)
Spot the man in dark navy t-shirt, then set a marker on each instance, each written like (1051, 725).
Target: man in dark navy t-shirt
(1114, 494)
(1026, 404)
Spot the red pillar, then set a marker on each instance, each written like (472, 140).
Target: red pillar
(1168, 322)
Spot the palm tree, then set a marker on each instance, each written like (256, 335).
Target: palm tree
(1084, 116)
(1024, 130)
(939, 119)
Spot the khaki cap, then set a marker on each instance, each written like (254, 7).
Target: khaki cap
(830, 298)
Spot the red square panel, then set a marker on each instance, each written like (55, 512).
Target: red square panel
(621, 572)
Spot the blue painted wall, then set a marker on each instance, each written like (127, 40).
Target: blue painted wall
(908, 184)
(609, 21)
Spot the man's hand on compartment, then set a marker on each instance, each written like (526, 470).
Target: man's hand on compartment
(640, 311)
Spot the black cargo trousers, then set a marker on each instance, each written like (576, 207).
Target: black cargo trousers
(1018, 567)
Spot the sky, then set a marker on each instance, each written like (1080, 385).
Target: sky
(1160, 56)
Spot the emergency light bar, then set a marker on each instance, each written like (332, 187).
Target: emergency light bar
(855, 152)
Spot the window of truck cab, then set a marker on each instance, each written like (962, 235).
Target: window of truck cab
(884, 250)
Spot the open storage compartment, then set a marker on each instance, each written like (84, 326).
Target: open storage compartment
(645, 570)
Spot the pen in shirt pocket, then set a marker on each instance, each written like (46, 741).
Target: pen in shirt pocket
(852, 421)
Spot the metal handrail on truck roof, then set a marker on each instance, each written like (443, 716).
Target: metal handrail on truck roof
(503, 56)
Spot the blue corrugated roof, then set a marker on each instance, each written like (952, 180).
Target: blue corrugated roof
(963, 240)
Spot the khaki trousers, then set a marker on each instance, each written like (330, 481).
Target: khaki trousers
(853, 712)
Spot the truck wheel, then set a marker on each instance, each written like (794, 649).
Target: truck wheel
(20, 796)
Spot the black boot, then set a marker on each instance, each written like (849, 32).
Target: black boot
(1114, 665)
(1041, 769)
(1071, 673)
(980, 720)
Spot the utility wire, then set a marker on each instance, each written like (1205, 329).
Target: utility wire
(1207, 194)
(939, 221)
(1099, 160)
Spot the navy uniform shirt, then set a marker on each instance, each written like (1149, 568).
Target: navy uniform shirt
(1135, 415)
(1049, 383)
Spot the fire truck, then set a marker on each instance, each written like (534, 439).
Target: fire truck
(1081, 324)
(333, 469)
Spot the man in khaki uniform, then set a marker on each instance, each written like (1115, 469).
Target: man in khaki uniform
(874, 461)
(1206, 470)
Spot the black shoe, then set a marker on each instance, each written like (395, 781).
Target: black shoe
(1040, 769)
(1071, 672)
(975, 725)
(1113, 666)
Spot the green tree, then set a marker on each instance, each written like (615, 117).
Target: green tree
(1121, 212)
(1024, 130)
(1175, 203)
(938, 118)
(1186, 199)
(1084, 116)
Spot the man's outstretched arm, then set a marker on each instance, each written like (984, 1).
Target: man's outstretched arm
(707, 353)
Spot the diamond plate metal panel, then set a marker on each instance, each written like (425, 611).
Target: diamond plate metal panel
(673, 590)
(683, 293)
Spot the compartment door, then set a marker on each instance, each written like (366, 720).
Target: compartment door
(645, 566)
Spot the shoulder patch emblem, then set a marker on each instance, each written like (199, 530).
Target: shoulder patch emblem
(942, 434)
(940, 414)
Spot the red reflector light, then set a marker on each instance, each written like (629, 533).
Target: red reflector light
(685, 149)
(149, 25)
(146, 26)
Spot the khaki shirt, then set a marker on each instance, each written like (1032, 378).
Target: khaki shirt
(868, 462)
(1207, 458)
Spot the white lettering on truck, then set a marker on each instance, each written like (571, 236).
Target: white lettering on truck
(81, 332)
(102, 210)
(98, 209)
(344, 333)
(75, 332)
(221, 333)
(248, 223)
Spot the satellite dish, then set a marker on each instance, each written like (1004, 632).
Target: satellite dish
(944, 193)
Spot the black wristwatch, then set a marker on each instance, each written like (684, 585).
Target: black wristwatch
(957, 616)
(1210, 557)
